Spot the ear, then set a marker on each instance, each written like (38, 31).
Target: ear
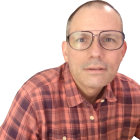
(64, 50)
(124, 48)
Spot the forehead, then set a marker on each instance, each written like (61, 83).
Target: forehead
(91, 18)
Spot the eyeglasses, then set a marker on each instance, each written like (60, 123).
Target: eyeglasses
(108, 39)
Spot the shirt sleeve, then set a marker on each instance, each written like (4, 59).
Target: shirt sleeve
(21, 121)
(137, 134)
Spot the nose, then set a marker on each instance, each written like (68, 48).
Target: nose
(95, 39)
(95, 50)
(95, 43)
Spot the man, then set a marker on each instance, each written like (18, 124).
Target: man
(85, 98)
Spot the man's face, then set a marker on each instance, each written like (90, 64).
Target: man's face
(94, 67)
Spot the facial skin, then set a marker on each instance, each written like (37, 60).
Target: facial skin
(91, 82)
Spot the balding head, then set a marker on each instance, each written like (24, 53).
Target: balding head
(102, 5)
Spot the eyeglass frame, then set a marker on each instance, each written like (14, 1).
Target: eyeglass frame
(98, 38)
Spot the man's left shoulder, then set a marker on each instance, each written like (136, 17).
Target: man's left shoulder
(127, 83)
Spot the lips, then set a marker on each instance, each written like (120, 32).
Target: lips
(95, 68)
(98, 70)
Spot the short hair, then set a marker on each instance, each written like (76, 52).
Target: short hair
(96, 3)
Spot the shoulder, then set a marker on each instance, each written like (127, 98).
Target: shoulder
(44, 78)
(126, 81)
(126, 87)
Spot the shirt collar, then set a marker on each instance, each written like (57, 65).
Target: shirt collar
(72, 94)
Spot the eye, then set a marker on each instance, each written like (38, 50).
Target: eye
(109, 39)
(81, 40)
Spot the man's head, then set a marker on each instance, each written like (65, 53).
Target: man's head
(95, 66)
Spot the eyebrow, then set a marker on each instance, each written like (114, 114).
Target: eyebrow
(115, 35)
(83, 33)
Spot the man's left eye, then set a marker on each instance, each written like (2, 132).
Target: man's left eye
(108, 39)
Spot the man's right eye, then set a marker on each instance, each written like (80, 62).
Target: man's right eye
(81, 40)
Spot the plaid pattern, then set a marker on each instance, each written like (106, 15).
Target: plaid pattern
(49, 107)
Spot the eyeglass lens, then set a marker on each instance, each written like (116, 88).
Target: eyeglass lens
(110, 40)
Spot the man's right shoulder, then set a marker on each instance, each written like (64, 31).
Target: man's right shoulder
(45, 77)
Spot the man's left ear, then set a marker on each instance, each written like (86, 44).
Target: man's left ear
(124, 48)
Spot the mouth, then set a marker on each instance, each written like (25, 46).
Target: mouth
(95, 70)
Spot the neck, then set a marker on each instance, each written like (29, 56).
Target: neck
(92, 98)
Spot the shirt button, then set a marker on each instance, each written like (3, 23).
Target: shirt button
(64, 138)
(91, 118)
(102, 101)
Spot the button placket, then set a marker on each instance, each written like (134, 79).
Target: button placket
(64, 138)
(102, 101)
(92, 118)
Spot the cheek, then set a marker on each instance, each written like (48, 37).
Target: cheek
(75, 60)
(74, 57)
(114, 62)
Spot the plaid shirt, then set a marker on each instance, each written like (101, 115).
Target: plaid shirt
(49, 107)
